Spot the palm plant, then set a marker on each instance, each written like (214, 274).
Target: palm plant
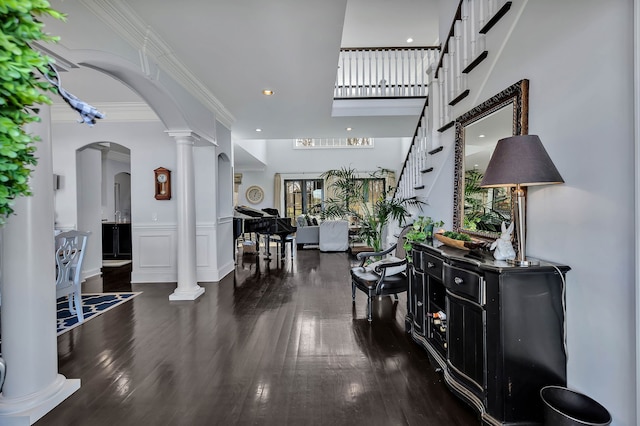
(384, 211)
(350, 200)
(478, 214)
(348, 191)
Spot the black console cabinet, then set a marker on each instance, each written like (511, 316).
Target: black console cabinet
(494, 330)
(116, 241)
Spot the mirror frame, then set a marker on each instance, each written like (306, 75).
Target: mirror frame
(516, 94)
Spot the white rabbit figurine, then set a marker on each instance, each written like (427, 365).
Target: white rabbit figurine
(503, 247)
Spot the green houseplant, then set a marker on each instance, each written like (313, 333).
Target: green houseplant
(20, 91)
(421, 231)
(350, 200)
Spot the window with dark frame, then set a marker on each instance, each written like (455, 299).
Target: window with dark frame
(302, 196)
(373, 190)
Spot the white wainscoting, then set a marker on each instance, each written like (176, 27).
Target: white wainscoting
(226, 249)
(206, 252)
(155, 253)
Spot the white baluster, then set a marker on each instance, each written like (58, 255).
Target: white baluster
(361, 79)
(457, 30)
(441, 97)
(473, 20)
(394, 77)
(483, 7)
(466, 36)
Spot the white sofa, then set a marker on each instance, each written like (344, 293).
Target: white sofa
(334, 235)
(305, 233)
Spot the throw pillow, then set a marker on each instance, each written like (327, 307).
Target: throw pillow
(314, 221)
(389, 271)
(301, 221)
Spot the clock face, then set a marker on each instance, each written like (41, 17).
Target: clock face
(162, 178)
(255, 194)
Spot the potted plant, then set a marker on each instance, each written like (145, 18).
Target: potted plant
(20, 92)
(374, 219)
(421, 231)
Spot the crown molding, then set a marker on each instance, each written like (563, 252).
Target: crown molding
(124, 21)
(114, 112)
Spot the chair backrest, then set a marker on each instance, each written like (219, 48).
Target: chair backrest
(70, 250)
(400, 252)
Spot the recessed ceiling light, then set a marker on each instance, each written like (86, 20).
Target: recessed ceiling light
(348, 129)
(409, 40)
(481, 136)
(267, 92)
(258, 130)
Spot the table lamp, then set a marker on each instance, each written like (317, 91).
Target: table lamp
(519, 161)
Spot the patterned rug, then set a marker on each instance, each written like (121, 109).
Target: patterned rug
(92, 306)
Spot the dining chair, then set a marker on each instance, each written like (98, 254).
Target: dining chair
(70, 250)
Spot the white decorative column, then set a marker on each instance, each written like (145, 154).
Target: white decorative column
(188, 288)
(33, 386)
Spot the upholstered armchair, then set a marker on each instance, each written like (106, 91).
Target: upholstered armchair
(306, 233)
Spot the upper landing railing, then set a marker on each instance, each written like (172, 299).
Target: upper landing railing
(384, 72)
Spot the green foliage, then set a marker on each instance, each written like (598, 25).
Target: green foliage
(20, 91)
(457, 236)
(348, 191)
(479, 215)
(373, 221)
(349, 201)
(421, 230)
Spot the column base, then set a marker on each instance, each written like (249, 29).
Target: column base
(26, 411)
(191, 294)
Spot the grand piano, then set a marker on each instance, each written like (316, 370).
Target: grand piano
(262, 222)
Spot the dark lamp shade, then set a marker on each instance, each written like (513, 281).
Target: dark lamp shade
(520, 160)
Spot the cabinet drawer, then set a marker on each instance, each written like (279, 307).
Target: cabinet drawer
(428, 264)
(463, 282)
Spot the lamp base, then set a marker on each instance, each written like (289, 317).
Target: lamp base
(524, 263)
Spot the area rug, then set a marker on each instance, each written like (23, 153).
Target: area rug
(93, 304)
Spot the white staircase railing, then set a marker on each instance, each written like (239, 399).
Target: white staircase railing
(463, 50)
(384, 72)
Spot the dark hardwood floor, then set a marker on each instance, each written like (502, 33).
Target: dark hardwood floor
(268, 345)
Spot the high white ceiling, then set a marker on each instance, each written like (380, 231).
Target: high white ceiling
(237, 48)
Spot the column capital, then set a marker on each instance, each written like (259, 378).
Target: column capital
(183, 135)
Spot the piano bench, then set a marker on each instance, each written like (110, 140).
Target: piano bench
(289, 239)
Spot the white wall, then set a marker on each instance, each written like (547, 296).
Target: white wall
(578, 56)
(283, 158)
(154, 228)
(224, 199)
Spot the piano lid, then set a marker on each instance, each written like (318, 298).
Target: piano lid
(251, 212)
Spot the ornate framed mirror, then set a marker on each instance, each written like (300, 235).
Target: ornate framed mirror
(480, 211)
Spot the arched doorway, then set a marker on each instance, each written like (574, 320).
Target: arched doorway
(103, 187)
